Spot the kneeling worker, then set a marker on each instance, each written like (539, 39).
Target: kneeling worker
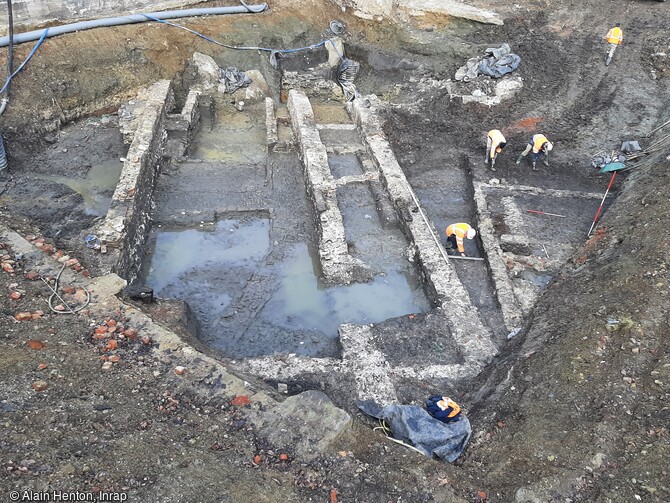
(540, 147)
(495, 142)
(455, 235)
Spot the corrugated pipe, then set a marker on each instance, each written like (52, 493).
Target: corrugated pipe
(133, 18)
(3, 156)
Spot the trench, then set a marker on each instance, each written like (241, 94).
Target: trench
(233, 236)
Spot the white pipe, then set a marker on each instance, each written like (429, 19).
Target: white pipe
(130, 19)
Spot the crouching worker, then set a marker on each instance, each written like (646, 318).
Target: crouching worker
(495, 142)
(540, 147)
(455, 235)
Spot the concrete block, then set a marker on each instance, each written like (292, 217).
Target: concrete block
(307, 424)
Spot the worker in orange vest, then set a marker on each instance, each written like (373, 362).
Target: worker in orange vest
(614, 38)
(455, 235)
(540, 147)
(495, 142)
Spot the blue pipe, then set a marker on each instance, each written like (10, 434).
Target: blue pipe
(133, 18)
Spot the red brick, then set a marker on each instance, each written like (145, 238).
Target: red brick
(180, 371)
(15, 295)
(40, 385)
(71, 262)
(100, 330)
(85, 273)
(36, 316)
(23, 316)
(35, 344)
(240, 400)
(42, 366)
(31, 275)
(112, 344)
(68, 289)
(47, 248)
(115, 358)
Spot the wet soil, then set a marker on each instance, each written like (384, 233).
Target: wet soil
(574, 409)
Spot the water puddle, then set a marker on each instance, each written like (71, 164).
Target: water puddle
(207, 268)
(233, 136)
(301, 303)
(247, 305)
(97, 188)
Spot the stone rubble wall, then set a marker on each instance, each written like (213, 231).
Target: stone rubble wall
(450, 295)
(183, 126)
(338, 266)
(125, 228)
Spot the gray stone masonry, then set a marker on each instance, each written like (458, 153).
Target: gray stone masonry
(126, 224)
(338, 266)
(271, 123)
(448, 292)
(183, 126)
(509, 304)
(367, 364)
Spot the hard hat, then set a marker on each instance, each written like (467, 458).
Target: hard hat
(471, 233)
(548, 147)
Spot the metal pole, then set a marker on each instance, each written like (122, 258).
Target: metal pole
(543, 213)
(659, 127)
(601, 204)
(458, 257)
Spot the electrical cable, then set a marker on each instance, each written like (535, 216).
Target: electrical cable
(54, 293)
(32, 53)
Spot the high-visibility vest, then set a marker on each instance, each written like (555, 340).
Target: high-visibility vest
(615, 36)
(538, 141)
(496, 139)
(460, 231)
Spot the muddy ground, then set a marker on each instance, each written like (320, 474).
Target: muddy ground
(573, 410)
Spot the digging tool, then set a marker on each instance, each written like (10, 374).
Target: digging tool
(464, 258)
(545, 213)
(601, 204)
(659, 127)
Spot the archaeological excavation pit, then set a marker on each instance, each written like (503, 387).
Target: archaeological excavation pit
(297, 232)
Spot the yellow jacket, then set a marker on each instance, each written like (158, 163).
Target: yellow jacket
(538, 141)
(496, 139)
(615, 36)
(460, 230)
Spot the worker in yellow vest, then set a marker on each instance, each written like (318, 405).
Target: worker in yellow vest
(540, 147)
(614, 38)
(495, 142)
(455, 235)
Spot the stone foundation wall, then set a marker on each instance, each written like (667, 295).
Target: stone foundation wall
(450, 294)
(125, 228)
(337, 265)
